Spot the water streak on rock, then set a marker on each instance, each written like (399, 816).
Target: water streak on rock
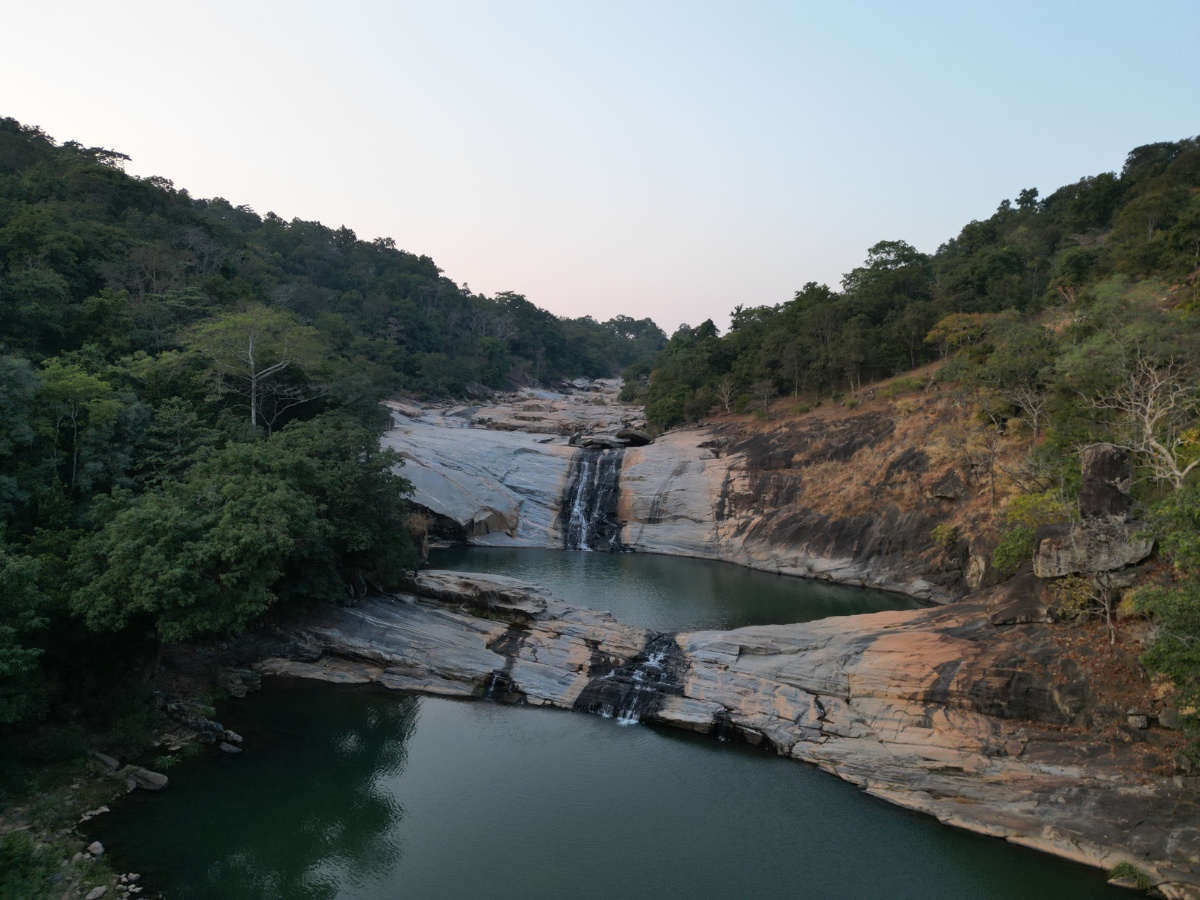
(636, 690)
(588, 516)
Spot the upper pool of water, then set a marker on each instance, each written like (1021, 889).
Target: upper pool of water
(671, 593)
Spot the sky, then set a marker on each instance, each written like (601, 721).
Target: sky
(652, 158)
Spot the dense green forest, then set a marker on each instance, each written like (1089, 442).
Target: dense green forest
(1070, 319)
(189, 420)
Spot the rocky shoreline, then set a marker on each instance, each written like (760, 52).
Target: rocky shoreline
(500, 474)
(970, 713)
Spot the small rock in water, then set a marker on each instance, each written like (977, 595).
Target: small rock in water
(96, 848)
(96, 893)
(229, 748)
(132, 877)
(232, 736)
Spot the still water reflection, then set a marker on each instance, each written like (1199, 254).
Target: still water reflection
(362, 794)
(672, 593)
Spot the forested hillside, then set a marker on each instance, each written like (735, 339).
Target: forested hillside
(1109, 239)
(1057, 323)
(189, 418)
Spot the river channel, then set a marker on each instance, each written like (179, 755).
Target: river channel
(352, 792)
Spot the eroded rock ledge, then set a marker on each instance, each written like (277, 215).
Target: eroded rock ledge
(938, 710)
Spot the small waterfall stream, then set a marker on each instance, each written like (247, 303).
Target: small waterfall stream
(588, 513)
(635, 690)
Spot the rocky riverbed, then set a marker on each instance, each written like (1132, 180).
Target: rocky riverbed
(956, 711)
(503, 474)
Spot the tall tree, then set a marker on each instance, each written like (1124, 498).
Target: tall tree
(248, 352)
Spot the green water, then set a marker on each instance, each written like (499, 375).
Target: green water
(357, 793)
(671, 593)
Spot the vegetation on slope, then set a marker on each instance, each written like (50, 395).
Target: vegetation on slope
(189, 421)
(1056, 323)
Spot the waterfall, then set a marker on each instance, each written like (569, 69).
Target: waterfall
(635, 690)
(588, 513)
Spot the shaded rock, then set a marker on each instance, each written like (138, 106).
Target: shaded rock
(1093, 546)
(95, 848)
(1136, 718)
(410, 410)
(911, 461)
(601, 442)
(147, 780)
(105, 760)
(226, 747)
(96, 893)
(634, 437)
(1107, 475)
(949, 487)
(1168, 717)
(1019, 601)
(496, 595)
(239, 682)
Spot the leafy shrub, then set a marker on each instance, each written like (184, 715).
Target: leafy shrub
(26, 868)
(1033, 510)
(906, 407)
(1072, 593)
(1019, 521)
(1128, 870)
(1016, 546)
(1176, 648)
(945, 536)
(900, 386)
(1175, 608)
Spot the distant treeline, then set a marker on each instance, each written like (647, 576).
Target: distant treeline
(1031, 255)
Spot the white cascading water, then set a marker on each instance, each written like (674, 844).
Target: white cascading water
(579, 516)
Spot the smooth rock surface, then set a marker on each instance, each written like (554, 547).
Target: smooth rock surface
(697, 492)
(147, 780)
(1106, 479)
(1091, 547)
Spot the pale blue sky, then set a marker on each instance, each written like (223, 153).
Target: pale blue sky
(663, 159)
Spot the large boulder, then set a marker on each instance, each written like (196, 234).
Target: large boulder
(634, 437)
(1090, 548)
